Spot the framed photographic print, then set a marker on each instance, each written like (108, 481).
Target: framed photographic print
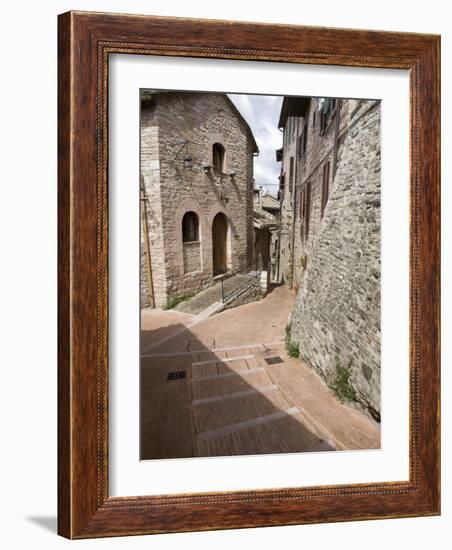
(248, 275)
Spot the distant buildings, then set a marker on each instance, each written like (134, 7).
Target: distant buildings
(266, 232)
(330, 236)
(196, 190)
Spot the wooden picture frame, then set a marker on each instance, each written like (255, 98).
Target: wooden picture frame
(86, 40)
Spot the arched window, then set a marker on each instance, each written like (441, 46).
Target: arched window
(190, 227)
(218, 157)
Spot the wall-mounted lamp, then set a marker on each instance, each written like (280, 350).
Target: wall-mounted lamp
(187, 159)
(232, 174)
(207, 168)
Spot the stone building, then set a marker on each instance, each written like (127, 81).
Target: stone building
(196, 190)
(266, 232)
(330, 237)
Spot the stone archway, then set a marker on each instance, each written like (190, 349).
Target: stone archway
(219, 244)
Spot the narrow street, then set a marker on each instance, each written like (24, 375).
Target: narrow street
(226, 386)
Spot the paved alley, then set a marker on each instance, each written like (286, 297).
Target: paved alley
(226, 386)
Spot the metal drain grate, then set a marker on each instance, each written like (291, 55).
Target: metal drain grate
(273, 360)
(177, 375)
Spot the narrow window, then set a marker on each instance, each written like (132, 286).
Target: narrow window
(305, 137)
(322, 124)
(313, 119)
(325, 187)
(291, 175)
(307, 210)
(327, 112)
(190, 227)
(218, 157)
(281, 181)
(281, 189)
(301, 207)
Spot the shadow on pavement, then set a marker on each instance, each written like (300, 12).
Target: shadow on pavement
(194, 404)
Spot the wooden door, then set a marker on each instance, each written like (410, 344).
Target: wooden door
(219, 244)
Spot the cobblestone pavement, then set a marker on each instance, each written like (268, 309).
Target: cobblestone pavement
(227, 387)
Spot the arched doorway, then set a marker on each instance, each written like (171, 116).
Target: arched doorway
(219, 244)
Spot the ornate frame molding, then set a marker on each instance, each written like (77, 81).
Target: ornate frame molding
(85, 42)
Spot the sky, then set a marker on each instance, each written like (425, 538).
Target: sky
(262, 114)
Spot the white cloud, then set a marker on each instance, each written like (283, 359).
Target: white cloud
(262, 114)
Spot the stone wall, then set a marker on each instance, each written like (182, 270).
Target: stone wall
(261, 247)
(145, 298)
(150, 172)
(175, 125)
(336, 319)
(251, 293)
(291, 135)
(192, 257)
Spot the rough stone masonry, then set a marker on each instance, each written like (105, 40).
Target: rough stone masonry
(334, 242)
(197, 171)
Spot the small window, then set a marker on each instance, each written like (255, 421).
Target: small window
(307, 210)
(305, 137)
(301, 205)
(325, 187)
(218, 157)
(300, 146)
(291, 174)
(281, 188)
(327, 112)
(190, 227)
(303, 141)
